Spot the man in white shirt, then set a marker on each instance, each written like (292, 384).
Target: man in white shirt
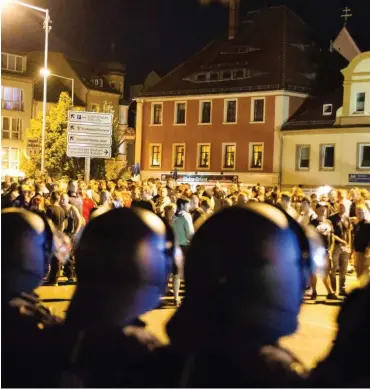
(307, 214)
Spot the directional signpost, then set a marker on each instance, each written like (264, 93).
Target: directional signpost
(89, 136)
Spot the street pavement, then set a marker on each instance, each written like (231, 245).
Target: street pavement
(311, 342)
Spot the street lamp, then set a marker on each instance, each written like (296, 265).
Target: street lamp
(46, 73)
(47, 28)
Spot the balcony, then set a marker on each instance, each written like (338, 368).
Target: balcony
(12, 105)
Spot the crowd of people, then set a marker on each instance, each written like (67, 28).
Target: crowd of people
(248, 256)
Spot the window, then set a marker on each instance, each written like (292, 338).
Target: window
(11, 98)
(327, 157)
(11, 128)
(205, 112)
(113, 85)
(364, 156)
(228, 156)
(360, 102)
(226, 75)
(201, 77)
(213, 76)
(155, 155)
(303, 157)
(258, 110)
(238, 73)
(327, 109)
(178, 156)
(204, 153)
(157, 109)
(180, 113)
(12, 62)
(95, 107)
(230, 111)
(256, 156)
(9, 158)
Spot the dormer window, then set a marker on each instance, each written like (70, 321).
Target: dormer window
(238, 73)
(12, 62)
(360, 102)
(213, 76)
(201, 77)
(327, 109)
(98, 82)
(226, 75)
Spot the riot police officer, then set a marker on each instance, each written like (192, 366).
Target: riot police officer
(244, 288)
(27, 245)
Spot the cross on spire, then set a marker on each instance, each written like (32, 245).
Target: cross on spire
(346, 14)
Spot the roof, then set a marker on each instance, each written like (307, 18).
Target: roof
(87, 73)
(55, 88)
(274, 49)
(310, 114)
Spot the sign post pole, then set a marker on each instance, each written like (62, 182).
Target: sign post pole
(87, 169)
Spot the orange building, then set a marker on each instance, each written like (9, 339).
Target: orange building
(217, 117)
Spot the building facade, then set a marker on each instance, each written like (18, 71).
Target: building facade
(220, 112)
(328, 142)
(16, 110)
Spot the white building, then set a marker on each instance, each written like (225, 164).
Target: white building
(327, 142)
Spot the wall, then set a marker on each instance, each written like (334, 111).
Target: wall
(345, 141)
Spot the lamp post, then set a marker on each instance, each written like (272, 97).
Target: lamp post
(47, 29)
(46, 72)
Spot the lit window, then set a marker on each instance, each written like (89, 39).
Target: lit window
(230, 111)
(179, 156)
(204, 152)
(364, 156)
(303, 157)
(229, 156)
(10, 158)
(11, 98)
(12, 62)
(180, 113)
(327, 109)
(205, 111)
(155, 155)
(11, 128)
(360, 102)
(327, 157)
(157, 113)
(258, 110)
(256, 158)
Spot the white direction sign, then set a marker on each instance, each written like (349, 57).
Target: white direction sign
(90, 117)
(93, 129)
(90, 140)
(88, 151)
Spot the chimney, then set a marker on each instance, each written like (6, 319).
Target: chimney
(233, 18)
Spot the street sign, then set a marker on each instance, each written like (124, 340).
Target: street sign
(88, 151)
(93, 129)
(359, 178)
(33, 146)
(90, 140)
(90, 117)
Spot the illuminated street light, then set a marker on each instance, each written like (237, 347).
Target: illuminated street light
(47, 29)
(46, 73)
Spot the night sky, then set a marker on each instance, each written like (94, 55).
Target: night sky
(157, 34)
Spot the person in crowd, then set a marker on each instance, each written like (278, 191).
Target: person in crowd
(162, 201)
(195, 209)
(183, 225)
(9, 196)
(170, 186)
(169, 213)
(218, 195)
(101, 347)
(361, 242)
(206, 207)
(226, 203)
(24, 197)
(307, 213)
(74, 198)
(37, 203)
(93, 192)
(285, 204)
(234, 331)
(342, 248)
(24, 339)
(105, 199)
(342, 197)
(325, 228)
(87, 202)
(314, 200)
(242, 199)
(356, 200)
(333, 204)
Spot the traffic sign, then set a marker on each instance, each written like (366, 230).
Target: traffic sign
(88, 151)
(90, 117)
(33, 146)
(89, 140)
(93, 129)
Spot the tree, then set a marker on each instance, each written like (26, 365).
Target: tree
(57, 163)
